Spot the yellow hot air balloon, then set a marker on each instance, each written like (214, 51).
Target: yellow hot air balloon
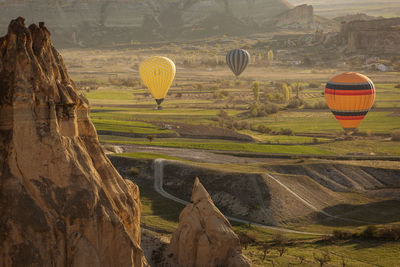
(157, 74)
(350, 96)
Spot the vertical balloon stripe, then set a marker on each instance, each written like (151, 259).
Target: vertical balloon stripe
(237, 60)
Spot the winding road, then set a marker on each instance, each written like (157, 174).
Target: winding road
(158, 187)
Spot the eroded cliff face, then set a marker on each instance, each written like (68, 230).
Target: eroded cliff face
(381, 36)
(62, 203)
(298, 17)
(204, 236)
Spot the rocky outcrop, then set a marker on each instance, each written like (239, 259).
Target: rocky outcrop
(62, 203)
(298, 17)
(372, 37)
(204, 236)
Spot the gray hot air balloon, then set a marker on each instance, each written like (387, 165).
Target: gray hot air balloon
(237, 60)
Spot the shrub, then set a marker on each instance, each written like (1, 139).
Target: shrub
(342, 235)
(134, 171)
(371, 232)
(390, 233)
(279, 97)
(258, 110)
(263, 129)
(286, 131)
(241, 125)
(397, 86)
(179, 95)
(314, 85)
(150, 137)
(295, 103)
(320, 105)
(271, 108)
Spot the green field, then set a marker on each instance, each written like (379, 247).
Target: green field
(227, 146)
(128, 127)
(141, 155)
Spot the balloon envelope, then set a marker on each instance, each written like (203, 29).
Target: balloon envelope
(350, 96)
(237, 60)
(157, 74)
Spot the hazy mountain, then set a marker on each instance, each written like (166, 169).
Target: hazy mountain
(162, 19)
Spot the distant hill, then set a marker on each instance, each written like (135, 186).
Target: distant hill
(147, 20)
(335, 8)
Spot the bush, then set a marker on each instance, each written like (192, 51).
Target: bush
(258, 110)
(295, 103)
(263, 129)
(286, 131)
(314, 85)
(371, 232)
(320, 105)
(395, 136)
(271, 108)
(342, 235)
(150, 137)
(241, 125)
(397, 86)
(390, 234)
(134, 171)
(279, 97)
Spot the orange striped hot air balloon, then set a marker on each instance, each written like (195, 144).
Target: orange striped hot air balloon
(350, 96)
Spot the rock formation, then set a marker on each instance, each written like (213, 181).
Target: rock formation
(204, 236)
(298, 17)
(377, 37)
(62, 203)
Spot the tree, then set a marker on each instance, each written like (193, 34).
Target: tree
(270, 56)
(280, 242)
(246, 239)
(256, 91)
(281, 249)
(287, 92)
(297, 87)
(301, 258)
(265, 247)
(322, 258)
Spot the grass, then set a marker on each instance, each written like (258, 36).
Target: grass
(325, 122)
(246, 147)
(128, 127)
(157, 211)
(282, 139)
(110, 94)
(140, 155)
(378, 147)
